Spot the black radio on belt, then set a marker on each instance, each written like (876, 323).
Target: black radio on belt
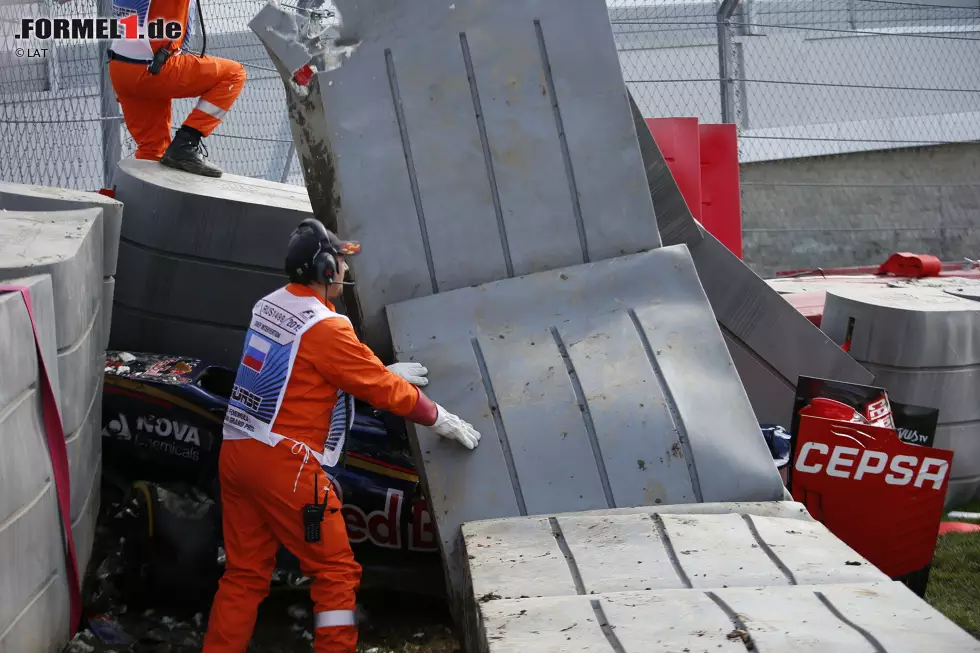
(160, 58)
(313, 514)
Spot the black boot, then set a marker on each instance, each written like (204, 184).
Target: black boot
(185, 153)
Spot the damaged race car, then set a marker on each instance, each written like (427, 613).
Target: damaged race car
(161, 434)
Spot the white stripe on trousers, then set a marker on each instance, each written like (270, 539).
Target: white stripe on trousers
(210, 109)
(335, 618)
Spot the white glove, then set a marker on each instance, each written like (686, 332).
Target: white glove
(414, 373)
(453, 428)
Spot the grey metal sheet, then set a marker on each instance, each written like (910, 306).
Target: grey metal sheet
(589, 384)
(770, 393)
(80, 370)
(22, 197)
(17, 348)
(674, 219)
(905, 325)
(196, 254)
(502, 134)
(68, 246)
(772, 344)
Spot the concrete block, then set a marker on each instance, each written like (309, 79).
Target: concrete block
(135, 331)
(17, 348)
(595, 554)
(22, 197)
(80, 370)
(908, 325)
(31, 557)
(108, 293)
(190, 290)
(83, 525)
(502, 134)
(25, 467)
(196, 255)
(839, 617)
(636, 621)
(589, 388)
(231, 220)
(68, 246)
(964, 439)
(43, 626)
(922, 342)
(84, 453)
(771, 343)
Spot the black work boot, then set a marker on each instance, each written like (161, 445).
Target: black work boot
(185, 153)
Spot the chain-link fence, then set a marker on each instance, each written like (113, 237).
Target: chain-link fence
(847, 112)
(855, 118)
(60, 124)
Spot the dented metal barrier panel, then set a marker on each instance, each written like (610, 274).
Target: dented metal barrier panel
(34, 591)
(22, 197)
(595, 386)
(196, 254)
(921, 339)
(466, 142)
(771, 343)
(726, 577)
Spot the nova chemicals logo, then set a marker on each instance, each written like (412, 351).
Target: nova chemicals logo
(100, 29)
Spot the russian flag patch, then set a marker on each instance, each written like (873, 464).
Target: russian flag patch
(255, 352)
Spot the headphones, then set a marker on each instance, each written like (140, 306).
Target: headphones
(323, 267)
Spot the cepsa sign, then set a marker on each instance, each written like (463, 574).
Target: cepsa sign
(881, 496)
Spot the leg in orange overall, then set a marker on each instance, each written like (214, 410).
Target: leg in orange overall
(260, 511)
(146, 98)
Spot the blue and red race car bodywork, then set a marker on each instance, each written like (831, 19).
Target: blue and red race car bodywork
(162, 417)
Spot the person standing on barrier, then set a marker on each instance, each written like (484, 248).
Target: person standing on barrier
(149, 73)
(290, 410)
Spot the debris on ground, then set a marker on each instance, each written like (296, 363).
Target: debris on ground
(124, 613)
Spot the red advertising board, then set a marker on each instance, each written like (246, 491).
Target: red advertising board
(881, 496)
(678, 140)
(721, 198)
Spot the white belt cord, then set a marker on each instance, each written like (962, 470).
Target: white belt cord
(295, 449)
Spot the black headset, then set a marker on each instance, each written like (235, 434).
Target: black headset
(324, 264)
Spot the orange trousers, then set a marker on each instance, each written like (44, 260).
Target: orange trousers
(260, 511)
(146, 99)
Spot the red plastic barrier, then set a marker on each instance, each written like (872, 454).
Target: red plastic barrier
(704, 162)
(721, 199)
(906, 264)
(678, 140)
(958, 527)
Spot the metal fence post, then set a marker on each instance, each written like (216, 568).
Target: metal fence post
(726, 79)
(109, 108)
